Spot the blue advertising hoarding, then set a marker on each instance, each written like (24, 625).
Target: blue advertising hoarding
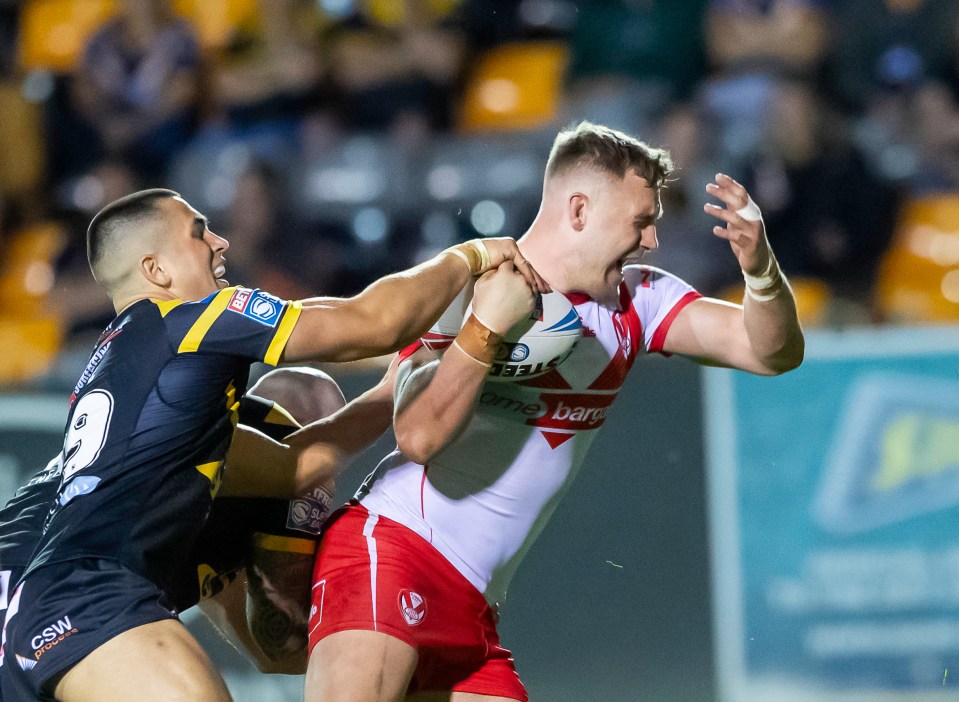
(834, 520)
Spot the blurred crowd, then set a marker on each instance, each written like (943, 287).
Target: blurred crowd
(333, 141)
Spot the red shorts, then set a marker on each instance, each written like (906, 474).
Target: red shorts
(373, 574)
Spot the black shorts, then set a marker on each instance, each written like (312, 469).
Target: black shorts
(63, 612)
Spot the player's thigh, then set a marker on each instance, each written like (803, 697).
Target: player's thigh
(359, 666)
(159, 661)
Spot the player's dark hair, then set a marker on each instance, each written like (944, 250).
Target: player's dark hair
(609, 150)
(108, 223)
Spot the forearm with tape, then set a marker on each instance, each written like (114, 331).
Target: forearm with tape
(474, 254)
(758, 286)
(478, 341)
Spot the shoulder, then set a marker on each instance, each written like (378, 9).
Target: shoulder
(639, 277)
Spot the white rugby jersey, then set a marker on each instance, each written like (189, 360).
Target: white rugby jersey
(483, 500)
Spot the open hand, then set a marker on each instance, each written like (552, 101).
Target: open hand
(746, 237)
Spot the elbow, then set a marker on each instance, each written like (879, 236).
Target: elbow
(788, 359)
(415, 445)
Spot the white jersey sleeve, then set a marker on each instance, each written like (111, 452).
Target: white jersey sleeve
(657, 297)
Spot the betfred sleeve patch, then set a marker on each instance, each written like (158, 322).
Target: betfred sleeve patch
(256, 305)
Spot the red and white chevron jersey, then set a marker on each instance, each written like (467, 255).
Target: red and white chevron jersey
(484, 499)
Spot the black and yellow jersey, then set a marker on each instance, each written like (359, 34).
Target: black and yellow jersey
(221, 547)
(21, 521)
(150, 421)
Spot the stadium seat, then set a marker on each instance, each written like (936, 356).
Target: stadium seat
(919, 274)
(54, 32)
(30, 334)
(31, 347)
(217, 21)
(515, 86)
(27, 267)
(390, 13)
(21, 142)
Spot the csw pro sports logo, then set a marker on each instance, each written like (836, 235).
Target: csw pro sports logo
(51, 636)
(257, 305)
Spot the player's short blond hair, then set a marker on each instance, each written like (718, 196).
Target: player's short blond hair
(608, 150)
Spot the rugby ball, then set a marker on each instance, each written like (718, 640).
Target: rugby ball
(531, 348)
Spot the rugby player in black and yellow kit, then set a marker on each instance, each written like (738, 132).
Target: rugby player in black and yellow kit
(150, 421)
(256, 549)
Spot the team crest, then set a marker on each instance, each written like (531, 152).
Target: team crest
(412, 607)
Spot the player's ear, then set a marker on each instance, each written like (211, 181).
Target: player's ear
(154, 271)
(576, 210)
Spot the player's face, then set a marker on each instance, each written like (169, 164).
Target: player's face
(624, 228)
(197, 254)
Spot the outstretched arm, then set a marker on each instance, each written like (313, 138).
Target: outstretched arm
(396, 310)
(437, 401)
(763, 335)
(258, 466)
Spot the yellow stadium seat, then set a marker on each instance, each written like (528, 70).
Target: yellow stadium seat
(30, 347)
(21, 142)
(30, 334)
(53, 32)
(218, 21)
(390, 13)
(515, 87)
(27, 269)
(918, 277)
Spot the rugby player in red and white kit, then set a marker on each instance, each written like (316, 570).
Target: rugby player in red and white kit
(407, 581)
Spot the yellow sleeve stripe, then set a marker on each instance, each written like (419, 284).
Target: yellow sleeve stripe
(283, 333)
(166, 305)
(286, 544)
(280, 416)
(191, 342)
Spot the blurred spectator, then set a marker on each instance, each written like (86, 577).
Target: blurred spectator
(629, 58)
(266, 250)
(687, 247)
(829, 216)
(769, 36)
(937, 121)
(136, 89)
(752, 45)
(911, 137)
(272, 72)
(892, 44)
(395, 64)
(80, 303)
(488, 23)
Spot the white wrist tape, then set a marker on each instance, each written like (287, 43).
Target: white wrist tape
(763, 298)
(751, 212)
(767, 279)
